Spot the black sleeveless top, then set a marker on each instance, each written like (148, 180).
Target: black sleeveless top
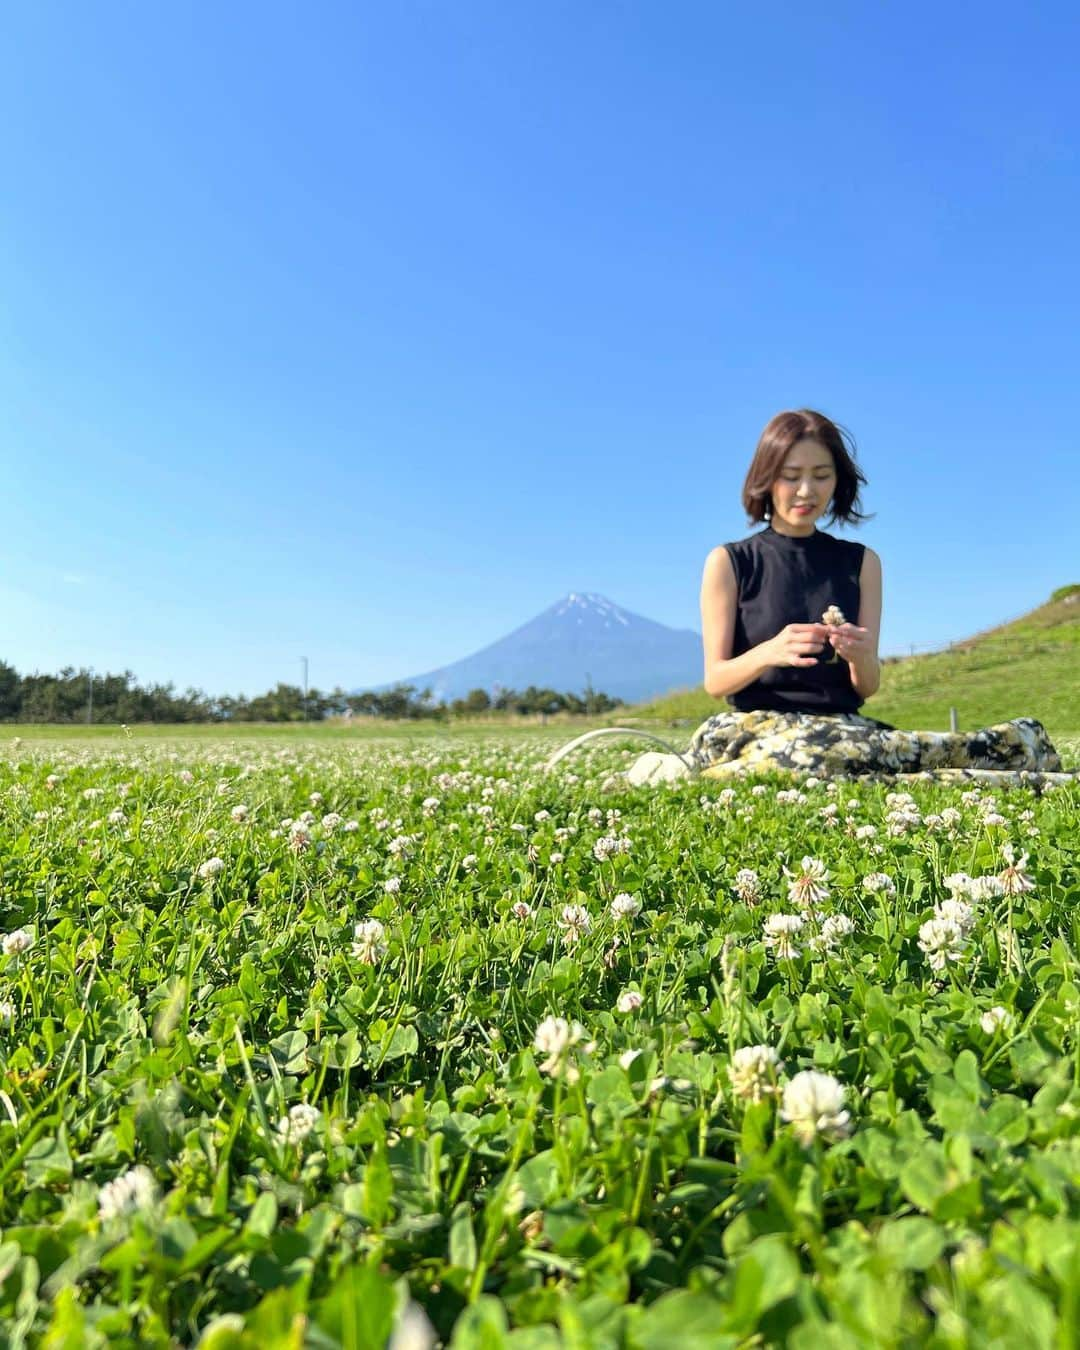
(785, 579)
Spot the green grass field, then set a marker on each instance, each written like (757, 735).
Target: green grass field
(312, 1040)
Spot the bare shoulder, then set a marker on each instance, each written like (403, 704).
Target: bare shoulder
(871, 563)
(718, 566)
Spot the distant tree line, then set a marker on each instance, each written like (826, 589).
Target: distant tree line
(80, 696)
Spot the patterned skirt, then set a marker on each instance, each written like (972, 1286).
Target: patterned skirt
(848, 745)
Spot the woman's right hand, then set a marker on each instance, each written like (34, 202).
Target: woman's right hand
(799, 644)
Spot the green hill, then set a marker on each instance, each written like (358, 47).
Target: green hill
(1028, 667)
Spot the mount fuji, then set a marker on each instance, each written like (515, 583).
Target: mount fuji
(580, 639)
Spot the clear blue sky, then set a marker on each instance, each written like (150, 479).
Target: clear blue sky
(365, 332)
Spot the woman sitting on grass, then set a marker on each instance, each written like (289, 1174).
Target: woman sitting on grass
(790, 619)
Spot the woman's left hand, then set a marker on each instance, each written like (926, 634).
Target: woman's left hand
(850, 642)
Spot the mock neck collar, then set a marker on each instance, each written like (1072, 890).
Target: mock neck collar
(794, 541)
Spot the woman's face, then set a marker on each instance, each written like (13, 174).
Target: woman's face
(803, 488)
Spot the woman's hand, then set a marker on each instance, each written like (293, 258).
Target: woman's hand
(799, 644)
(850, 642)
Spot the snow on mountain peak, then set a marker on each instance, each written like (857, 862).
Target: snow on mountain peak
(588, 602)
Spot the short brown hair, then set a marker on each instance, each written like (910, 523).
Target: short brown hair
(779, 436)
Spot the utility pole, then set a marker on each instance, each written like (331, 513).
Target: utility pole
(303, 661)
(90, 696)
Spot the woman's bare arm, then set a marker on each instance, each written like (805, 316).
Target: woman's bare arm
(863, 660)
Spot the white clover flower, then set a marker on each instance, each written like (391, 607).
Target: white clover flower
(240, 813)
(629, 1001)
(331, 821)
(781, 930)
(211, 868)
(610, 845)
(627, 1058)
(392, 885)
(185, 776)
(541, 816)
(521, 909)
(350, 826)
(951, 817)
(557, 858)
(117, 817)
(430, 805)
(813, 1104)
(554, 1037)
(994, 818)
(958, 912)
(1014, 879)
(299, 837)
(994, 1018)
(879, 883)
(574, 921)
(131, 1193)
(316, 798)
(753, 1072)
(957, 883)
(986, 888)
(747, 885)
(299, 1123)
(943, 941)
(468, 863)
(833, 929)
(7, 1013)
(866, 832)
(625, 906)
(807, 888)
(758, 790)
(17, 942)
(519, 828)
(901, 821)
(369, 945)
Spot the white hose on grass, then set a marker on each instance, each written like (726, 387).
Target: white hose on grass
(617, 731)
